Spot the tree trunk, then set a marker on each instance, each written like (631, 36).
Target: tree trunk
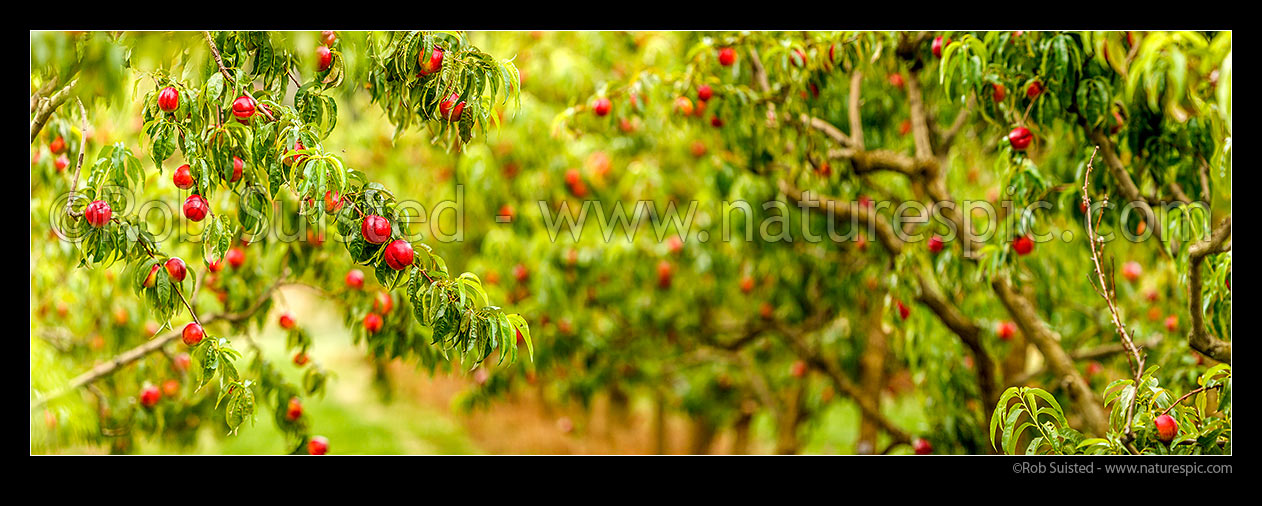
(872, 377)
(659, 424)
(703, 432)
(787, 438)
(740, 446)
(619, 407)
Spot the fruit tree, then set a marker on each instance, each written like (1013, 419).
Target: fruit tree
(967, 242)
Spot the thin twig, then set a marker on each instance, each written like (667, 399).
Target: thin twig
(1137, 364)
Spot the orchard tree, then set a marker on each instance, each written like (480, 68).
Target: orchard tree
(239, 120)
(851, 134)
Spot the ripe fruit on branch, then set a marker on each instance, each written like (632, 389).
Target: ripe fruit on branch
(196, 207)
(332, 202)
(296, 158)
(61, 163)
(182, 361)
(149, 396)
(799, 369)
(97, 213)
(766, 311)
(326, 58)
(182, 177)
(383, 303)
(699, 110)
(235, 257)
(58, 146)
(177, 269)
(372, 323)
(1093, 368)
(716, 122)
(601, 106)
(169, 99)
(1167, 428)
(430, 63)
(1023, 245)
(1172, 323)
(1118, 122)
(286, 321)
(1131, 271)
(449, 109)
(704, 92)
(152, 277)
(193, 334)
(1034, 89)
(939, 42)
(375, 229)
(399, 255)
(798, 58)
(242, 108)
(675, 244)
(896, 80)
(936, 244)
(999, 92)
(238, 168)
(903, 310)
(904, 128)
(355, 279)
(1020, 138)
(521, 273)
(316, 239)
(507, 212)
(698, 148)
(294, 410)
(683, 106)
(300, 359)
(814, 91)
(747, 284)
(318, 445)
(664, 272)
(329, 37)
(1005, 330)
(922, 446)
(727, 56)
(170, 387)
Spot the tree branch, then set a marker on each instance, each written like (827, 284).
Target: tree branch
(831, 131)
(48, 106)
(1198, 338)
(1124, 182)
(1086, 354)
(947, 137)
(856, 120)
(844, 385)
(109, 367)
